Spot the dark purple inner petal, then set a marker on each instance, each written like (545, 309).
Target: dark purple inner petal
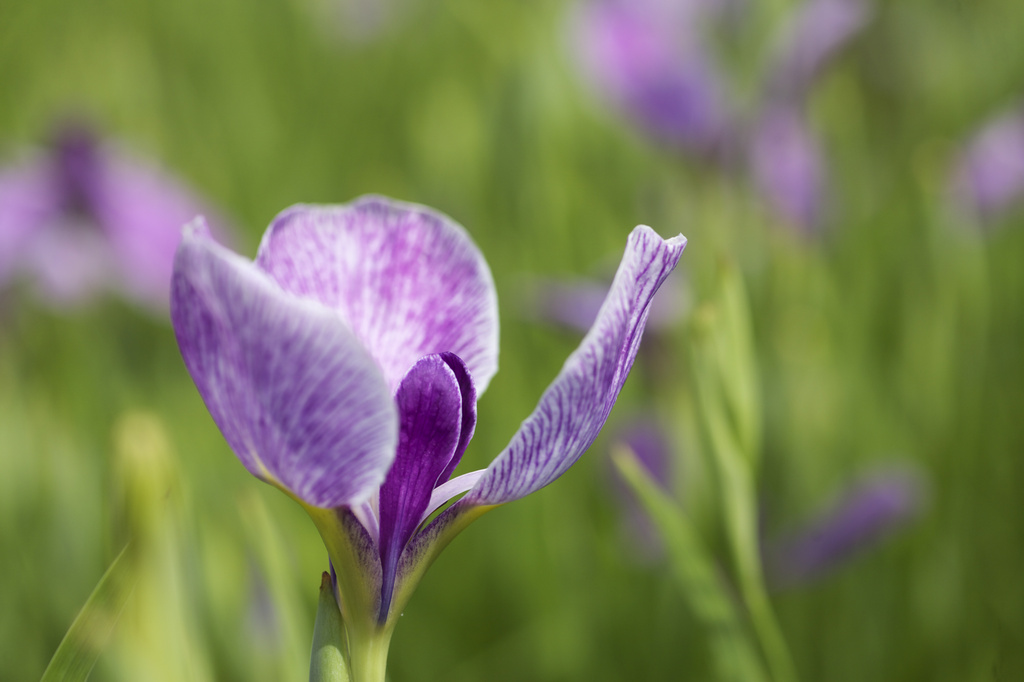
(468, 392)
(431, 417)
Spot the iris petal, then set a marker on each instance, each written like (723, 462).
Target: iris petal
(575, 406)
(430, 408)
(297, 397)
(408, 280)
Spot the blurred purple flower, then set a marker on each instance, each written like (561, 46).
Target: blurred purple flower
(85, 217)
(344, 365)
(646, 57)
(787, 166)
(870, 511)
(989, 176)
(785, 156)
(648, 441)
(816, 32)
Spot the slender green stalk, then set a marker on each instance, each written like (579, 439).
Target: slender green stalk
(368, 654)
(94, 625)
(733, 649)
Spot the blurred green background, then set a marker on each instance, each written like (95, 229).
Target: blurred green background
(896, 335)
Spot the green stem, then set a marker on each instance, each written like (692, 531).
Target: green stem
(742, 519)
(368, 654)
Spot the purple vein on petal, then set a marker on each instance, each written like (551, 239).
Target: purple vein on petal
(408, 280)
(431, 416)
(575, 406)
(296, 396)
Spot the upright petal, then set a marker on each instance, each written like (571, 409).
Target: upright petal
(575, 406)
(430, 413)
(408, 280)
(297, 397)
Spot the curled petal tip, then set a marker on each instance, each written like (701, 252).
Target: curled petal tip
(196, 226)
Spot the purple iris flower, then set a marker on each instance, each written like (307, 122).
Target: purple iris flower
(85, 217)
(344, 365)
(788, 166)
(989, 176)
(786, 159)
(869, 511)
(647, 58)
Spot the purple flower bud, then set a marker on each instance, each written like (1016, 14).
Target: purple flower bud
(647, 59)
(869, 511)
(787, 167)
(989, 176)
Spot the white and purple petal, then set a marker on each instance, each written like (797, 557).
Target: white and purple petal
(408, 280)
(575, 406)
(297, 397)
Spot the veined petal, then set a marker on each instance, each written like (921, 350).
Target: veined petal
(297, 397)
(408, 280)
(430, 411)
(575, 406)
